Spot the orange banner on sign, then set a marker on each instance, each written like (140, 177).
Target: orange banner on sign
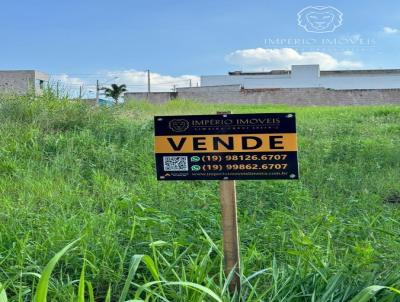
(277, 142)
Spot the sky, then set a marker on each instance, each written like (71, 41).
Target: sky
(77, 42)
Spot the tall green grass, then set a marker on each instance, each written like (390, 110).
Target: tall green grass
(70, 170)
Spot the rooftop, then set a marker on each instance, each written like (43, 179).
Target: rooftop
(322, 72)
(30, 72)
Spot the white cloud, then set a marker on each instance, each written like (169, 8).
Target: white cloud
(67, 80)
(348, 53)
(283, 58)
(67, 85)
(390, 30)
(135, 81)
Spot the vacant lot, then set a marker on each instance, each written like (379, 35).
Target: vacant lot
(69, 171)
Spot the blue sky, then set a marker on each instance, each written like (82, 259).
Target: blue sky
(79, 41)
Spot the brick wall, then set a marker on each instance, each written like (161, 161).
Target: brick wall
(154, 97)
(289, 96)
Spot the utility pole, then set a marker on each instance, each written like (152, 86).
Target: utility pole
(148, 83)
(97, 92)
(80, 92)
(174, 88)
(57, 89)
(190, 83)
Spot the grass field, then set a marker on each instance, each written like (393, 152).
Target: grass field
(71, 171)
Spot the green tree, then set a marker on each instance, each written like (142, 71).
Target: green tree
(115, 91)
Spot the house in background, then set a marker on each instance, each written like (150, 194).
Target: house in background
(22, 81)
(302, 85)
(308, 76)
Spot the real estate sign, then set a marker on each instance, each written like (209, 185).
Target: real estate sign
(226, 146)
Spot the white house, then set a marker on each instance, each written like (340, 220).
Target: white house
(309, 76)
